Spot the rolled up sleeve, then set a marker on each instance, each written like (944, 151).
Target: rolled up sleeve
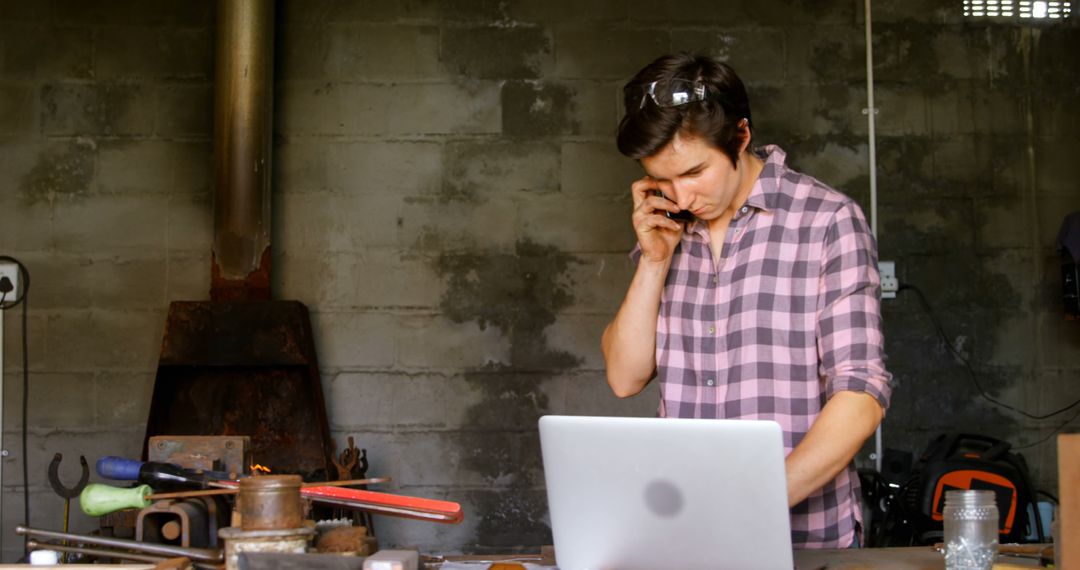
(851, 346)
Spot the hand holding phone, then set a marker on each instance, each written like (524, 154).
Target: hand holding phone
(657, 233)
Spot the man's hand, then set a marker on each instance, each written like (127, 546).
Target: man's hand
(657, 234)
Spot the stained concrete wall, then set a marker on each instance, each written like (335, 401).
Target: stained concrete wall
(449, 204)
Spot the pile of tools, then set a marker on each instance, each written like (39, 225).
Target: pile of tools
(119, 548)
(210, 517)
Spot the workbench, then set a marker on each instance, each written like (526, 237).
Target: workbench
(913, 558)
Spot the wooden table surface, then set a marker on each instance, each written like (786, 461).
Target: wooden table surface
(913, 558)
(916, 558)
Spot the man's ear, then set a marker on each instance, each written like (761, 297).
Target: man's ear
(744, 133)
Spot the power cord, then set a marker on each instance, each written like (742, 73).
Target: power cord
(975, 379)
(22, 299)
(967, 365)
(1051, 434)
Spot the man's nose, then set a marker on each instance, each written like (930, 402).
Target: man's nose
(680, 196)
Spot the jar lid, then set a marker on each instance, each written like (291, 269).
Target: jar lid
(969, 497)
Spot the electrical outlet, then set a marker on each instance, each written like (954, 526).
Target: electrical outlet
(11, 271)
(889, 283)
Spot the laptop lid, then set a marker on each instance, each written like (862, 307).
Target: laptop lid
(648, 493)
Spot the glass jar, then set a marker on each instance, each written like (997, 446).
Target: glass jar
(971, 530)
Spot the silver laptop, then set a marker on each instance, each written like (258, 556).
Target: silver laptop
(651, 493)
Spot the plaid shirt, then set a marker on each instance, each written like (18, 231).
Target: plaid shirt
(790, 316)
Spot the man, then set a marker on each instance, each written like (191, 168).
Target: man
(764, 305)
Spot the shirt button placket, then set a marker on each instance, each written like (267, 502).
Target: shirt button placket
(709, 393)
(717, 381)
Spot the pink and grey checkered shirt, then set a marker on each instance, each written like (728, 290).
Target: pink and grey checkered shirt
(790, 316)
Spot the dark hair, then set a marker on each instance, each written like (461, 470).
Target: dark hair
(644, 130)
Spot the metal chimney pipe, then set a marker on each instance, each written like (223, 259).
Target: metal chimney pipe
(243, 108)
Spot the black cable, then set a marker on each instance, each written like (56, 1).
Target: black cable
(23, 299)
(971, 372)
(974, 379)
(25, 408)
(1051, 434)
(1050, 496)
(3, 297)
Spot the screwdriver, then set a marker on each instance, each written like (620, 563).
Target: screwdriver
(155, 473)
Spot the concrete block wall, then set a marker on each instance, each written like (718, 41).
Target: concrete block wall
(104, 155)
(449, 204)
(973, 192)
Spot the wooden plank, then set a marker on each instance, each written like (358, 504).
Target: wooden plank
(1069, 495)
(283, 561)
(917, 558)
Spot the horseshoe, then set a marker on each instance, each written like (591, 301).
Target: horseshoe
(54, 478)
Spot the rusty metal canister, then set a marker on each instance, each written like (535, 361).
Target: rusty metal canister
(270, 502)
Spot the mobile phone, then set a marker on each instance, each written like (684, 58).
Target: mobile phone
(680, 216)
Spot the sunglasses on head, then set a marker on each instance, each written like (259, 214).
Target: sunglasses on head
(673, 92)
(676, 92)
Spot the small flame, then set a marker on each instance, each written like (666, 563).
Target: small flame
(259, 469)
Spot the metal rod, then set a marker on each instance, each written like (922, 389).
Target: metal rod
(95, 552)
(347, 482)
(190, 494)
(230, 489)
(202, 554)
(99, 553)
(243, 106)
(2, 452)
(871, 111)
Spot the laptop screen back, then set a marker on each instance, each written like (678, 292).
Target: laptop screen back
(636, 493)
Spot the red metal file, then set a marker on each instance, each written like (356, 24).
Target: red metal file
(386, 503)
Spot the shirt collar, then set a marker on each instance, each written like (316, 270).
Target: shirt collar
(765, 194)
